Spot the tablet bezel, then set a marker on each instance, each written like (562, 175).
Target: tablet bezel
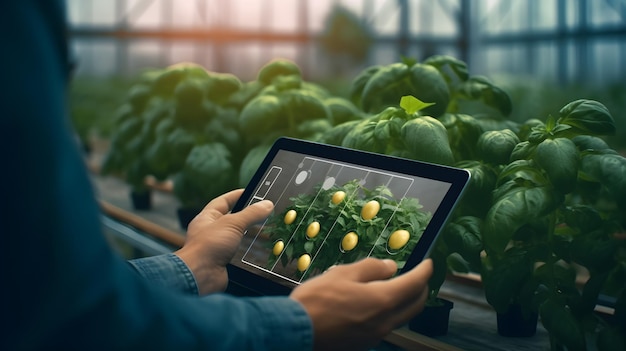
(245, 282)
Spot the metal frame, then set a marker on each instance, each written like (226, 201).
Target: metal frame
(468, 43)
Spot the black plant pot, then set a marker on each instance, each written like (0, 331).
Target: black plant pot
(434, 320)
(141, 200)
(186, 215)
(513, 323)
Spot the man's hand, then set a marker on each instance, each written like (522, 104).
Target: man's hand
(354, 306)
(213, 237)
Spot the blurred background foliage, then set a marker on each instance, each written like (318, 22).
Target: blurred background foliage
(542, 53)
(94, 100)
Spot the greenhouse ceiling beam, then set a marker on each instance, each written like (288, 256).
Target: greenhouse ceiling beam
(213, 35)
(230, 36)
(514, 38)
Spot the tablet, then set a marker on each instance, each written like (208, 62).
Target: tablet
(335, 205)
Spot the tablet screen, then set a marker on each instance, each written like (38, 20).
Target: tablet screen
(336, 206)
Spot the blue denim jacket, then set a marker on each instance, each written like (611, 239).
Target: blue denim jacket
(64, 288)
(167, 270)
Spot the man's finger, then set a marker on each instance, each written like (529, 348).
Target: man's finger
(366, 270)
(222, 204)
(407, 286)
(250, 215)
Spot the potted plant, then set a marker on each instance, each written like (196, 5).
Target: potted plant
(166, 114)
(434, 319)
(142, 121)
(284, 104)
(207, 173)
(456, 251)
(557, 202)
(134, 127)
(531, 184)
(433, 131)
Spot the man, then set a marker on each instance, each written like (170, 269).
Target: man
(65, 289)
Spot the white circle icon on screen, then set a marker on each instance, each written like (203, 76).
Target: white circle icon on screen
(328, 183)
(301, 177)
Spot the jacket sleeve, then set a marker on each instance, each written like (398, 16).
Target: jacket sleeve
(167, 270)
(63, 286)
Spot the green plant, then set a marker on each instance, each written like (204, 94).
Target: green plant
(544, 197)
(346, 35)
(206, 174)
(92, 101)
(167, 114)
(539, 98)
(286, 105)
(430, 124)
(173, 112)
(558, 203)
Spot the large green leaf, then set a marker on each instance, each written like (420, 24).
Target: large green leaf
(220, 86)
(165, 83)
(513, 210)
(463, 132)
(481, 89)
(587, 117)
(359, 83)
(390, 83)
(190, 92)
(259, 115)
(302, 105)
(523, 172)
(448, 64)
(608, 169)
(251, 162)
(527, 127)
(208, 162)
(439, 256)
(559, 158)
(427, 140)
(523, 150)
(558, 319)
(342, 110)
(385, 87)
(277, 68)
(582, 218)
(457, 263)
(496, 146)
(335, 135)
(476, 199)
(504, 278)
(463, 236)
(589, 142)
(138, 96)
(362, 137)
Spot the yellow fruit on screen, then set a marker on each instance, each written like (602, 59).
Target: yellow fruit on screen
(398, 239)
(313, 229)
(370, 210)
(278, 247)
(349, 241)
(304, 262)
(290, 216)
(338, 197)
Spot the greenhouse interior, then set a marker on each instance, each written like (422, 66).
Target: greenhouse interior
(177, 102)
